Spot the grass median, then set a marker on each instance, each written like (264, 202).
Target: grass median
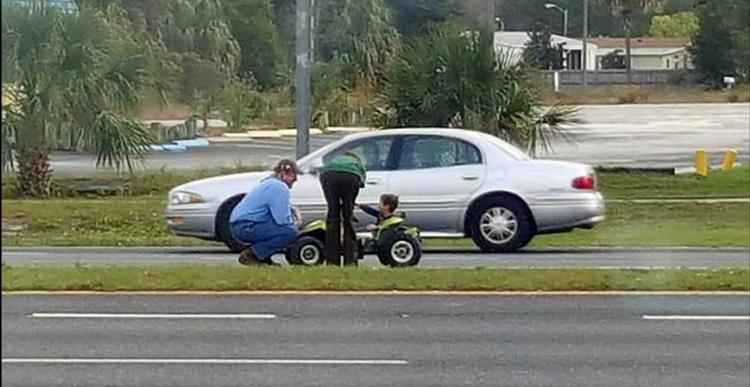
(232, 278)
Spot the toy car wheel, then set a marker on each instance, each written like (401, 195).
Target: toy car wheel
(306, 251)
(398, 249)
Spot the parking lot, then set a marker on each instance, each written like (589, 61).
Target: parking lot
(648, 136)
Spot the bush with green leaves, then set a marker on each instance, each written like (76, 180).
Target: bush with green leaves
(242, 102)
(451, 77)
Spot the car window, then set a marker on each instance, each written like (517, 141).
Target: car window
(421, 152)
(506, 148)
(374, 152)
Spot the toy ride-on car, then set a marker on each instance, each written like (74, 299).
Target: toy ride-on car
(395, 243)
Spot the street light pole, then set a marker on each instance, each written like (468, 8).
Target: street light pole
(302, 77)
(565, 15)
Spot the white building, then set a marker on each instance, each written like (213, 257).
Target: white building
(648, 53)
(513, 43)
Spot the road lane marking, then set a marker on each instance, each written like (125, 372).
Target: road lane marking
(697, 318)
(154, 316)
(204, 361)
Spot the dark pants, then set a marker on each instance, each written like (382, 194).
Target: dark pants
(341, 190)
(266, 239)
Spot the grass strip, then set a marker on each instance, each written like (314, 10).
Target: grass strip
(632, 94)
(139, 222)
(234, 278)
(648, 185)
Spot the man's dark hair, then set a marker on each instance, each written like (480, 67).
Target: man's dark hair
(390, 200)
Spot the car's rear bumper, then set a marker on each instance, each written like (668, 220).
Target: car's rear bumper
(564, 214)
(194, 222)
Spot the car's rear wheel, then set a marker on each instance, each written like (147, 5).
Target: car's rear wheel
(223, 231)
(501, 225)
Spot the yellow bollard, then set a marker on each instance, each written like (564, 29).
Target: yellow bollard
(729, 158)
(701, 162)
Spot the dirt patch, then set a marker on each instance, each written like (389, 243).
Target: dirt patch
(172, 111)
(13, 227)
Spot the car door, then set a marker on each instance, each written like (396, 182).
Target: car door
(376, 153)
(435, 178)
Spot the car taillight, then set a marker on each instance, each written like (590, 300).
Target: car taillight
(585, 182)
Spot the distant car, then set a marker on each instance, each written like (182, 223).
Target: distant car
(452, 183)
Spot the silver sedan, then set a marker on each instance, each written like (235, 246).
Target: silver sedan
(452, 184)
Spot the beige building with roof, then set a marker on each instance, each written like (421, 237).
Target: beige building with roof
(647, 53)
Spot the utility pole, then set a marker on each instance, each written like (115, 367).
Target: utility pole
(302, 76)
(584, 53)
(628, 25)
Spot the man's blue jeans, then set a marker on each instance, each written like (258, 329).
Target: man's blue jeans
(266, 238)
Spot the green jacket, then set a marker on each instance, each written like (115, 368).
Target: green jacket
(348, 163)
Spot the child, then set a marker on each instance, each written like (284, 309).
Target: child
(387, 207)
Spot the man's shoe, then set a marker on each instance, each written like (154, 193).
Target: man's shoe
(269, 262)
(248, 258)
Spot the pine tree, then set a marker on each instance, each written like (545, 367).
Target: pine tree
(539, 52)
(712, 48)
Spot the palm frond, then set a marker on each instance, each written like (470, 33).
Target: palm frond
(118, 142)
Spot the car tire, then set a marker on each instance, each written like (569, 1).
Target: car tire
(306, 251)
(515, 233)
(398, 249)
(223, 230)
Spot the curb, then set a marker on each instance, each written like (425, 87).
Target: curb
(458, 249)
(373, 293)
(250, 134)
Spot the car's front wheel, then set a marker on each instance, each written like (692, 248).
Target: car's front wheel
(501, 225)
(223, 230)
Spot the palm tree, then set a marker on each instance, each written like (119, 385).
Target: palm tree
(626, 8)
(451, 77)
(78, 74)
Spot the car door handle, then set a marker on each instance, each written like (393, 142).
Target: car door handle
(470, 177)
(373, 182)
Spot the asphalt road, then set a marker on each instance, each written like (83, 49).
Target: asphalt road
(587, 257)
(555, 341)
(653, 136)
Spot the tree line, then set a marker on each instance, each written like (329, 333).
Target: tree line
(76, 77)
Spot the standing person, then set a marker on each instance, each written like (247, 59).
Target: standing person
(341, 179)
(265, 218)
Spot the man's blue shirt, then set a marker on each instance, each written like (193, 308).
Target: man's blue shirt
(269, 200)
